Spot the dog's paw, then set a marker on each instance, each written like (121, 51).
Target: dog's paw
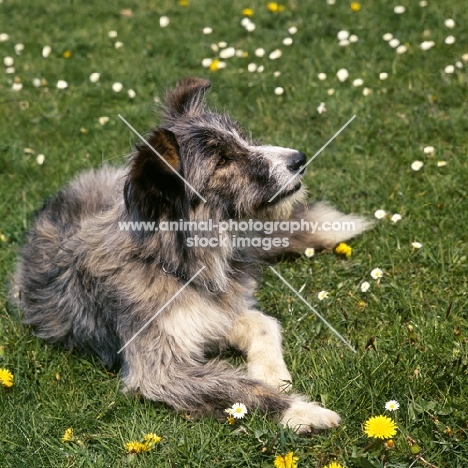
(302, 416)
(277, 376)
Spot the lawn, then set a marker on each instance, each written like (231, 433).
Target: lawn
(410, 328)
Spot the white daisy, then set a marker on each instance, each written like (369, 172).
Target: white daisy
(46, 50)
(103, 120)
(214, 47)
(399, 9)
(365, 286)
(383, 76)
(342, 35)
(62, 84)
(366, 91)
(279, 91)
(206, 62)
(376, 273)
(287, 41)
(237, 410)
(112, 34)
(417, 165)
(131, 94)
(344, 43)
(465, 57)
(441, 163)
(459, 64)
(19, 48)
(17, 86)
(387, 37)
(401, 49)
(245, 21)
(392, 405)
(4, 37)
(40, 159)
(342, 74)
(260, 52)
(321, 108)
(449, 39)
(275, 54)
(260, 69)
(353, 38)
(250, 27)
(322, 76)
(276, 74)
(331, 2)
(118, 45)
(9, 61)
(449, 69)
(309, 252)
(322, 295)
(330, 91)
(10, 70)
(94, 77)
(117, 87)
(358, 82)
(36, 82)
(164, 21)
(222, 44)
(207, 30)
(380, 214)
(416, 245)
(423, 3)
(251, 67)
(394, 43)
(227, 53)
(426, 45)
(292, 30)
(449, 23)
(395, 218)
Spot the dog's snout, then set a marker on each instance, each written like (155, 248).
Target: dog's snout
(296, 162)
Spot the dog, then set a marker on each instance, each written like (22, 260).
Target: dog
(150, 302)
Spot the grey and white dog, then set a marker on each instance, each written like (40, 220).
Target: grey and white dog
(84, 283)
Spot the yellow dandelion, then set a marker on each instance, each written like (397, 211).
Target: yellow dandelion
(380, 427)
(68, 435)
(183, 3)
(275, 7)
(67, 54)
(343, 249)
(247, 12)
(286, 461)
(151, 439)
(6, 377)
(136, 447)
(334, 465)
(355, 6)
(231, 420)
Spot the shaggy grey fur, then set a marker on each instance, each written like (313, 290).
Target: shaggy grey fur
(83, 283)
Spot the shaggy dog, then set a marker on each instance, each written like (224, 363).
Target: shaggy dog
(154, 301)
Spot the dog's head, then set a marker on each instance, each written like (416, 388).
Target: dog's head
(199, 156)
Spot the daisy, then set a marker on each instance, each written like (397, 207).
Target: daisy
(103, 120)
(286, 461)
(395, 218)
(449, 40)
(287, 41)
(383, 76)
(309, 252)
(4, 37)
(394, 43)
(441, 163)
(9, 61)
(40, 159)
(10, 70)
(449, 69)
(94, 77)
(342, 74)
(118, 45)
(207, 30)
(330, 92)
(251, 67)
(279, 91)
(449, 23)
(17, 86)
(292, 30)
(331, 2)
(164, 21)
(344, 43)
(365, 286)
(387, 37)
(131, 94)
(46, 50)
(426, 45)
(343, 249)
(380, 214)
(62, 84)
(401, 49)
(68, 435)
(227, 53)
(423, 3)
(260, 52)
(112, 34)
(321, 108)
(376, 273)
(417, 165)
(416, 245)
(276, 74)
(117, 87)
(428, 150)
(399, 9)
(342, 35)
(260, 69)
(392, 405)
(237, 410)
(322, 295)
(206, 62)
(6, 377)
(275, 54)
(353, 38)
(322, 76)
(380, 427)
(358, 82)
(465, 57)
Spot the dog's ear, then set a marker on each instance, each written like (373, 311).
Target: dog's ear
(187, 97)
(153, 186)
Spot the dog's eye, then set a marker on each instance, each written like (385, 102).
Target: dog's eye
(222, 162)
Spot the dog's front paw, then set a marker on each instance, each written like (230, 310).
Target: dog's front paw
(302, 416)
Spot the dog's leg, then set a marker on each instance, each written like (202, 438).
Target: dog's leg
(259, 337)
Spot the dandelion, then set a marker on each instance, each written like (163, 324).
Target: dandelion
(136, 447)
(8, 61)
(321, 108)
(387, 37)
(426, 45)
(6, 377)
(247, 12)
(46, 50)
(399, 9)
(342, 35)
(276, 54)
(117, 87)
(231, 420)
(342, 74)
(394, 43)
(376, 273)
(395, 218)
(380, 214)
(68, 435)
(343, 249)
(164, 21)
(112, 34)
(287, 41)
(151, 439)
(358, 82)
(449, 69)
(380, 427)
(392, 405)
(334, 465)
(322, 295)
(417, 165)
(383, 76)
(40, 159)
(449, 40)
(292, 30)
(103, 120)
(217, 65)
(309, 252)
(207, 30)
(365, 286)
(322, 76)
(449, 23)
(131, 94)
(355, 6)
(183, 3)
(275, 7)
(441, 163)
(279, 91)
(416, 245)
(67, 54)
(94, 77)
(286, 461)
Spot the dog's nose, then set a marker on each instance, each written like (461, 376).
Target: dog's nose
(296, 161)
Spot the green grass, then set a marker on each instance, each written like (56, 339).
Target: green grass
(410, 329)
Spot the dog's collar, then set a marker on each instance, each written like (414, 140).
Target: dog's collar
(170, 269)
